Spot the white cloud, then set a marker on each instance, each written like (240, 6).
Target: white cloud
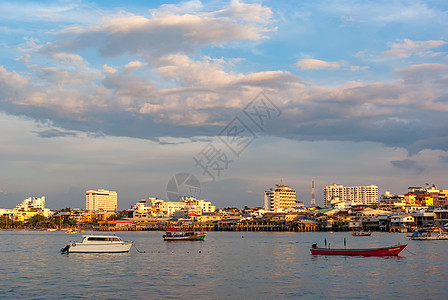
(133, 65)
(68, 58)
(166, 31)
(358, 68)
(11, 82)
(316, 64)
(149, 108)
(384, 12)
(176, 92)
(406, 48)
(251, 12)
(109, 70)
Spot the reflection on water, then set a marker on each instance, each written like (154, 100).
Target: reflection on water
(227, 265)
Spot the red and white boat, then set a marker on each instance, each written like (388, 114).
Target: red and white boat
(385, 251)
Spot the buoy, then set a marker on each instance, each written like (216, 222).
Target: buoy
(73, 245)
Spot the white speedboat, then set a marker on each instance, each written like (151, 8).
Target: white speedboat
(98, 244)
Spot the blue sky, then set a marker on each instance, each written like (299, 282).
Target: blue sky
(102, 94)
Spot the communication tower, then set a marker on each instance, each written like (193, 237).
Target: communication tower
(313, 196)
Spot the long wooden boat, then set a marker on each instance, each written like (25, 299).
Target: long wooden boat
(362, 233)
(175, 234)
(385, 251)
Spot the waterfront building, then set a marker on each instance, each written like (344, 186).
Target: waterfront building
(201, 205)
(409, 198)
(440, 198)
(333, 193)
(280, 198)
(424, 199)
(150, 207)
(101, 200)
(7, 213)
(401, 221)
(155, 207)
(354, 195)
(30, 207)
(440, 216)
(388, 198)
(190, 203)
(31, 204)
(417, 190)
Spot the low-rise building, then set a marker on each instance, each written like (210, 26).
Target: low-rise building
(402, 221)
(441, 216)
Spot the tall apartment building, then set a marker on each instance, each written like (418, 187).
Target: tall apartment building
(280, 198)
(350, 195)
(101, 200)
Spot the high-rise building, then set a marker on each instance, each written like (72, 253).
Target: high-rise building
(280, 198)
(353, 195)
(101, 200)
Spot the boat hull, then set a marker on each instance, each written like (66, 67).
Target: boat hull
(386, 251)
(362, 234)
(199, 237)
(100, 248)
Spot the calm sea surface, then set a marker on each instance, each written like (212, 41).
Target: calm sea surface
(227, 265)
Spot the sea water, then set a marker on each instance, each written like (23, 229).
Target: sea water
(226, 265)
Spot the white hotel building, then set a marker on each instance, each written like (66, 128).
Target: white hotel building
(101, 200)
(280, 198)
(354, 195)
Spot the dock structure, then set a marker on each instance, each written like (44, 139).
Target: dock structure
(295, 226)
(222, 225)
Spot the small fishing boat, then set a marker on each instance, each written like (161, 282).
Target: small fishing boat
(98, 244)
(385, 251)
(177, 234)
(362, 233)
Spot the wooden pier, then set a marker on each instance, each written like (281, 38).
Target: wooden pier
(219, 226)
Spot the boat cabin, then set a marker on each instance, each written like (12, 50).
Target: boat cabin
(90, 239)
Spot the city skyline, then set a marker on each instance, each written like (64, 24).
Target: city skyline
(124, 97)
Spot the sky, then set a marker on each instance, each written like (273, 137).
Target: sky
(141, 97)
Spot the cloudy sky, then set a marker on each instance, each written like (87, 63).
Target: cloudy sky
(239, 94)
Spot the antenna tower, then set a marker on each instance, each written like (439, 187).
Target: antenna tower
(313, 196)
